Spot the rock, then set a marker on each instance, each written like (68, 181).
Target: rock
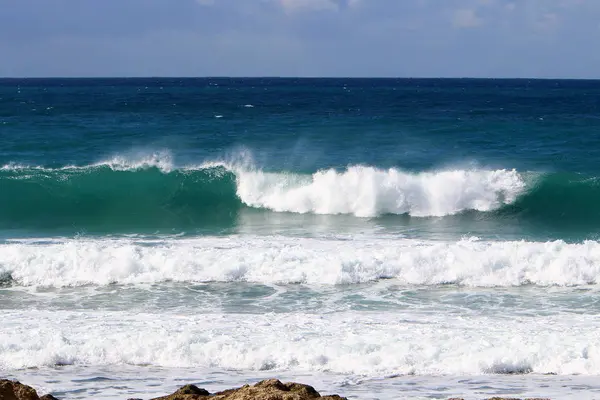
(187, 392)
(503, 398)
(193, 389)
(13, 390)
(271, 389)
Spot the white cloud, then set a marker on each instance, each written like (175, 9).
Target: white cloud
(466, 18)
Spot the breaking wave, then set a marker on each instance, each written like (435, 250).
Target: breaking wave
(123, 195)
(281, 260)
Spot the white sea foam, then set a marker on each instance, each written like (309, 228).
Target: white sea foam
(367, 191)
(13, 167)
(359, 344)
(162, 160)
(301, 260)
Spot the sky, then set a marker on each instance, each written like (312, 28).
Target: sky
(331, 38)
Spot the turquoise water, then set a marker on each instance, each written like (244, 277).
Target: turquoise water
(132, 156)
(428, 237)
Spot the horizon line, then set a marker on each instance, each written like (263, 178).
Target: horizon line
(294, 77)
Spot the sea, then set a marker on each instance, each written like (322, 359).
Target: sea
(377, 238)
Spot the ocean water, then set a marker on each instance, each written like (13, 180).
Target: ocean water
(378, 238)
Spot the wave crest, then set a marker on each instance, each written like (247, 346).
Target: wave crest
(367, 191)
(149, 192)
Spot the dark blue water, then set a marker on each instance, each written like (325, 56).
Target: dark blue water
(120, 156)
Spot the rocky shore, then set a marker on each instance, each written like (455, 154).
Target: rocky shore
(271, 389)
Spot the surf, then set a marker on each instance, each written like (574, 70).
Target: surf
(153, 194)
(289, 260)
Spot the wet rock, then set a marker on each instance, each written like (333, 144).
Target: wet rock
(13, 390)
(271, 389)
(187, 392)
(193, 389)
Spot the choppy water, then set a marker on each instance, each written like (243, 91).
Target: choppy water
(383, 239)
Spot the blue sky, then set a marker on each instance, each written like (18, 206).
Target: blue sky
(406, 38)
